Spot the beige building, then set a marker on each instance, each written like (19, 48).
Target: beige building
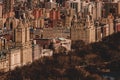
(38, 23)
(1, 23)
(74, 4)
(98, 9)
(68, 21)
(83, 31)
(10, 23)
(22, 40)
(70, 13)
(98, 33)
(56, 32)
(36, 51)
(85, 34)
(4, 61)
(21, 53)
(105, 30)
(110, 19)
(15, 58)
(1, 6)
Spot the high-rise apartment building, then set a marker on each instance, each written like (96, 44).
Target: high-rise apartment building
(83, 31)
(98, 9)
(1, 8)
(75, 4)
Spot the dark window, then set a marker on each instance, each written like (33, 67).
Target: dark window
(11, 26)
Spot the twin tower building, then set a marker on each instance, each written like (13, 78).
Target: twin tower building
(20, 53)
